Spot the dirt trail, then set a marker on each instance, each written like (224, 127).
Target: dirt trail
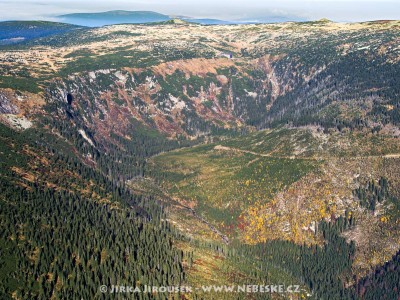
(224, 148)
(391, 156)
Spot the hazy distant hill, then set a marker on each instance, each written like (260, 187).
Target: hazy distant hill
(122, 17)
(207, 21)
(271, 19)
(13, 32)
(113, 17)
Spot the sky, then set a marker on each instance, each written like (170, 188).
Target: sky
(339, 10)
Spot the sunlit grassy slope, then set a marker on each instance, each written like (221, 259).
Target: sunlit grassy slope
(287, 178)
(198, 177)
(220, 183)
(313, 142)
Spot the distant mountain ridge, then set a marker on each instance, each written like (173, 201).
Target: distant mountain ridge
(17, 32)
(113, 17)
(136, 17)
(13, 32)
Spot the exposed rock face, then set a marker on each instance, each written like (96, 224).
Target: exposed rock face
(152, 100)
(178, 78)
(6, 106)
(19, 123)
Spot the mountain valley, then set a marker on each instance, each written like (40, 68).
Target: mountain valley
(173, 153)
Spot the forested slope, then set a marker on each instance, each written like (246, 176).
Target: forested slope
(66, 229)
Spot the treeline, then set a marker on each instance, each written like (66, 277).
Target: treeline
(323, 269)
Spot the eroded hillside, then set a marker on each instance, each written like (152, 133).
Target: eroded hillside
(191, 80)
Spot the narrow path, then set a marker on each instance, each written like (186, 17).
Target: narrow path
(225, 148)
